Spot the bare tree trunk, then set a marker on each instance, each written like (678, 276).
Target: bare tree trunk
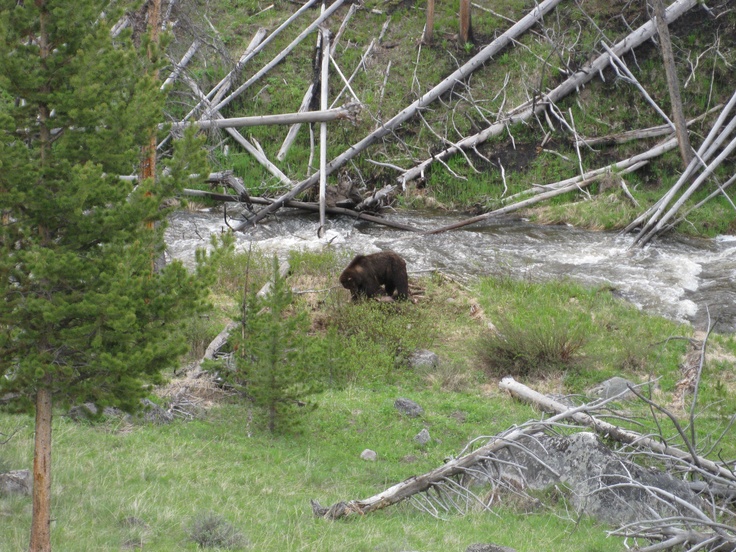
(466, 28)
(686, 150)
(41, 521)
(148, 165)
(428, 29)
(323, 131)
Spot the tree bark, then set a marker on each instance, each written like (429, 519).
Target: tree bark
(41, 521)
(678, 115)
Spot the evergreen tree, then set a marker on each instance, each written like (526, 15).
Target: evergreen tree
(275, 355)
(83, 314)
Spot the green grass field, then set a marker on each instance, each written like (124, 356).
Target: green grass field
(222, 478)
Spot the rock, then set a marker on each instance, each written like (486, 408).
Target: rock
(88, 411)
(422, 437)
(612, 387)
(408, 407)
(601, 484)
(422, 358)
(16, 482)
(369, 455)
(155, 414)
(481, 547)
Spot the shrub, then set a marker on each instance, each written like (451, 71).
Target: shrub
(210, 530)
(532, 346)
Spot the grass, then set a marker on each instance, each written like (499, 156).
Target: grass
(224, 479)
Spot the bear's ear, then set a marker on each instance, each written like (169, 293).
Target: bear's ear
(359, 269)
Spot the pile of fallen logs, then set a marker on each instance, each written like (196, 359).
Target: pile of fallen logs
(206, 114)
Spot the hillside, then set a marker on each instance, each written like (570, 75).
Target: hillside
(379, 46)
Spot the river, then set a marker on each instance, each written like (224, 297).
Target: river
(684, 279)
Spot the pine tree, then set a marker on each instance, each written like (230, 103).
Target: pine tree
(275, 355)
(84, 317)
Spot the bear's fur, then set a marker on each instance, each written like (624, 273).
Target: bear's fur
(367, 274)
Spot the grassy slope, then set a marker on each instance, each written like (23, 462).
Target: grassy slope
(530, 153)
(119, 485)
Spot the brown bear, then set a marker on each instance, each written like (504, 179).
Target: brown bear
(365, 275)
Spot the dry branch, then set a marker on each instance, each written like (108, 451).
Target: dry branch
(570, 185)
(695, 463)
(306, 206)
(279, 57)
(179, 67)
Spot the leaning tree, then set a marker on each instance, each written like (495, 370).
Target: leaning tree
(84, 314)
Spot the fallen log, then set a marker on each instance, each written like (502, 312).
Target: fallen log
(179, 67)
(641, 134)
(454, 467)
(457, 76)
(348, 111)
(565, 186)
(279, 57)
(305, 206)
(695, 463)
(537, 105)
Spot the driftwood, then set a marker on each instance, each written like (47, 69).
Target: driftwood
(537, 105)
(389, 126)
(305, 206)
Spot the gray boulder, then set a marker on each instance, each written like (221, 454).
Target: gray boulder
(602, 484)
(422, 437)
(613, 387)
(408, 407)
(422, 358)
(16, 482)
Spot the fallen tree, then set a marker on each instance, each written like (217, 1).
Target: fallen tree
(385, 128)
(538, 105)
(650, 504)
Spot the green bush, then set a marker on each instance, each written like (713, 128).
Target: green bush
(210, 530)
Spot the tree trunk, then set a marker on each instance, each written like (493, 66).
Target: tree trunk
(678, 116)
(427, 38)
(466, 29)
(148, 165)
(41, 521)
